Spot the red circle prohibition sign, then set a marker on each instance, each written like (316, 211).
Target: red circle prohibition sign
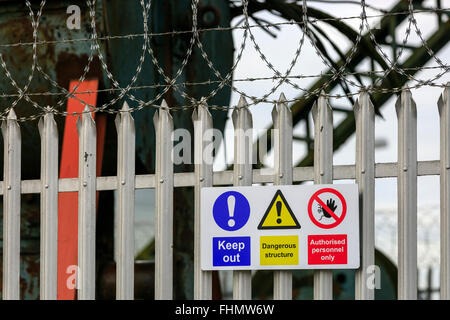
(338, 220)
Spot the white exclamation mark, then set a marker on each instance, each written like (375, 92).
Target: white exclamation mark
(231, 202)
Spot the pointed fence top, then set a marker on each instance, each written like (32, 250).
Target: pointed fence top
(124, 113)
(321, 102)
(164, 105)
(242, 102)
(364, 102)
(201, 111)
(282, 98)
(282, 101)
(406, 92)
(49, 115)
(281, 108)
(282, 104)
(84, 118)
(11, 115)
(47, 119)
(364, 95)
(163, 112)
(321, 110)
(404, 100)
(203, 102)
(87, 114)
(87, 110)
(242, 111)
(444, 99)
(203, 105)
(125, 107)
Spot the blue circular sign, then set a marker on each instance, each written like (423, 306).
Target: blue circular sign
(231, 211)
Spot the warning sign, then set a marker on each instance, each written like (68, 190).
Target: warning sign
(279, 215)
(231, 211)
(280, 227)
(327, 208)
(278, 250)
(327, 249)
(231, 251)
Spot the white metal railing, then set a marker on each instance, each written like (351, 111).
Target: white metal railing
(365, 171)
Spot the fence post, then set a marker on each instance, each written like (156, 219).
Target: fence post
(444, 113)
(86, 205)
(407, 196)
(11, 207)
(323, 174)
(49, 207)
(126, 138)
(164, 204)
(203, 178)
(242, 176)
(282, 120)
(365, 178)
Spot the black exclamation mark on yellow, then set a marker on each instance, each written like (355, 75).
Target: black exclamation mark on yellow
(279, 204)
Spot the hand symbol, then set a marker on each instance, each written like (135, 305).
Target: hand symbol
(331, 204)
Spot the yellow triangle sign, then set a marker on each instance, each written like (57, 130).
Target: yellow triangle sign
(279, 215)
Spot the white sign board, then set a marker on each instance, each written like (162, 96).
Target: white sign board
(280, 227)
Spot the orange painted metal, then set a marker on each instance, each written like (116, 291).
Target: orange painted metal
(68, 201)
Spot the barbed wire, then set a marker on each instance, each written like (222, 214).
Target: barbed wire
(309, 27)
(213, 82)
(133, 36)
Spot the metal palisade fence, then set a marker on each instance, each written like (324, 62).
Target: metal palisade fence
(364, 172)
